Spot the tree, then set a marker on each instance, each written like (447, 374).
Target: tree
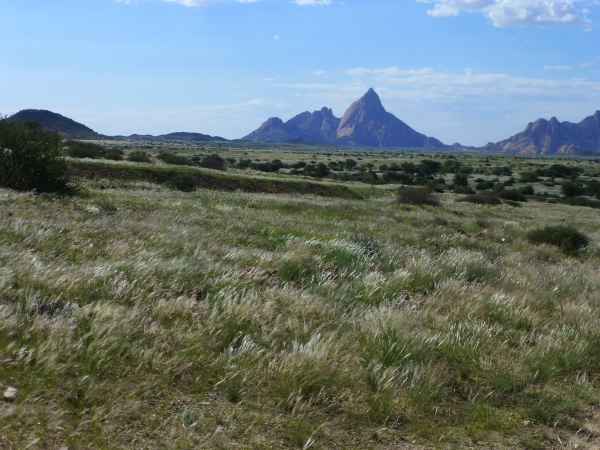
(31, 159)
(430, 167)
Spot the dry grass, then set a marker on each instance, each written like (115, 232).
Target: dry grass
(135, 316)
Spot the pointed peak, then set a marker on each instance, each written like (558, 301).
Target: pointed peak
(371, 94)
(371, 100)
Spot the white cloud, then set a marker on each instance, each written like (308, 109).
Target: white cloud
(517, 13)
(556, 68)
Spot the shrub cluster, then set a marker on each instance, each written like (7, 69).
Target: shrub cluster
(31, 159)
(417, 196)
(567, 238)
(185, 182)
(482, 199)
(139, 156)
(213, 162)
(177, 160)
(77, 149)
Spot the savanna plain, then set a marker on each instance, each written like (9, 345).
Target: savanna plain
(355, 313)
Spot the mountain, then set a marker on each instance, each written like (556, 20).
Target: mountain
(365, 124)
(51, 121)
(551, 137)
(319, 127)
(178, 136)
(69, 129)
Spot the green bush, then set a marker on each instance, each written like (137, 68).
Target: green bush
(567, 238)
(139, 156)
(581, 201)
(213, 162)
(512, 195)
(31, 159)
(113, 153)
(571, 189)
(172, 158)
(417, 196)
(76, 149)
(185, 182)
(482, 199)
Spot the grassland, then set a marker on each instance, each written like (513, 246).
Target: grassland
(136, 316)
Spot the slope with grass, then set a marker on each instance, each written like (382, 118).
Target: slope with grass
(133, 315)
(209, 179)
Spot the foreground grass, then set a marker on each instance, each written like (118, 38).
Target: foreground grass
(133, 316)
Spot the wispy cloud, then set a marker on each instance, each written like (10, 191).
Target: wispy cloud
(518, 13)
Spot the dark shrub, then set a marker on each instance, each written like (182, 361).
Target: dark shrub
(527, 190)
(213, 162)
(417, 196)
(139, 156)
(581, 201)
(528, 177)
(463, 190)
(31, 159)
(484, 185)
(185, 182)
(571, 189)
(482, 199)
(512, 195)
(76, 149)
(567, 238)
(461, 179)
(172, 158)
(114, 154)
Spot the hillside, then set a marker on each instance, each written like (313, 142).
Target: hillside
(51, 121)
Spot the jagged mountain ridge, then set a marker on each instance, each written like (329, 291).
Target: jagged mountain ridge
(365, 124)
(552, 137)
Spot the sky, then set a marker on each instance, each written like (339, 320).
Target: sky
(468, 71)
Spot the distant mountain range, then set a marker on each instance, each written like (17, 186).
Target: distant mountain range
(69, 129)
(365, 124)
(551, 137)
(178, 136)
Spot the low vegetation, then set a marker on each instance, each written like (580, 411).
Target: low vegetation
(78, 149)
(185, 307)
(482, 199)
(567, 238)
(139, 156)
(417, 196)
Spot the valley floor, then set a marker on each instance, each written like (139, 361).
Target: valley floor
(135, 316)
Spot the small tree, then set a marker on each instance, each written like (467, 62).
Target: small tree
(31, 159)
(213, 162)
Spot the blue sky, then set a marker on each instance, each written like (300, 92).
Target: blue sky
(470, 71)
